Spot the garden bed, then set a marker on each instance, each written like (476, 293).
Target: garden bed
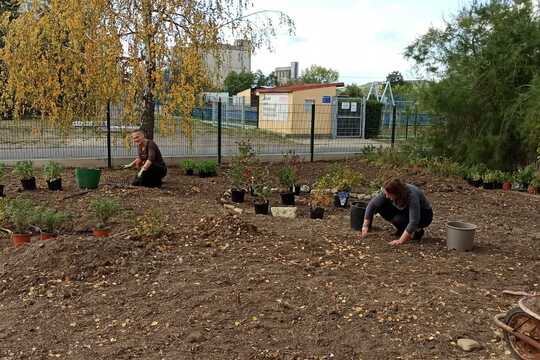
(221, 285)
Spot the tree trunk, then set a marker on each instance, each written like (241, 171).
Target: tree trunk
(148, 115)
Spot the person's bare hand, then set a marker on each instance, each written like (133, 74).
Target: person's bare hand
(365, 232)
(397, 242)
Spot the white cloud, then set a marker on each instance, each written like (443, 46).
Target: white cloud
(364, 39)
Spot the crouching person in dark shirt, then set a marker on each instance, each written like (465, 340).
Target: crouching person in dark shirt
(403, 205)
(152, 168)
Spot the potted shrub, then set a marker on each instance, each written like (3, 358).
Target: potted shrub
(534, 186)
(53, 175)
(103, 209)
(2, 174)
(262, 195)
(48, 221)
(87, 178)
(19, 212)
(319, 200)
(342, 180)
(287, 179)
(25, 171)
(524, 176)
(207, 168)
(188, 166)
(476, 178)
(489, 178)
(508, 179)
(292, 160)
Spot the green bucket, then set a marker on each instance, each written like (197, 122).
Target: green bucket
(87, 178)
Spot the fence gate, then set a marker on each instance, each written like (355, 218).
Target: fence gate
(349, 117)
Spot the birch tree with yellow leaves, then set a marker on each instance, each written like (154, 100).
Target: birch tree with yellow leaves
(68, 58)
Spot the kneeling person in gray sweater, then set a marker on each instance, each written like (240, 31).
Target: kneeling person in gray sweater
(403, 205)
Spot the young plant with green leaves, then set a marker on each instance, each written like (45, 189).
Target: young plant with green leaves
(525, 175)
(188, 165)
(49, 220)
(19, 212)
(52, 171)
(104, 210)
(287, 177)
(24, 169)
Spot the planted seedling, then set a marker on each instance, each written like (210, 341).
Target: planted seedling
(188, 166)
(489, 178)
(53, 175)
(104, 210)
(19, 212)
(49, 221)
(25, 171)
(287, 179)
(207, 168)
(525, 175)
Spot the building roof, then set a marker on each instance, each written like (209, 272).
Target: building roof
(298, 87)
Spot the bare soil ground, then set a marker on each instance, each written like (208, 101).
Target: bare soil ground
(223, 285)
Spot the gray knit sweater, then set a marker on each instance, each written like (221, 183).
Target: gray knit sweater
(416, 202)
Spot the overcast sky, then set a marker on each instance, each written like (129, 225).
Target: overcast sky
(363, 39)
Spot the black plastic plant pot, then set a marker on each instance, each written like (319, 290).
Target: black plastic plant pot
(341, 199)
(297, 188)
(316, 213)
(477, 183)
(2, 191)
(489, 185)
(237, 196)
(55, 185)
(498, 185)
(189, 172)
(29, 184)
(358, 211)
(287, 198)
(261, 208)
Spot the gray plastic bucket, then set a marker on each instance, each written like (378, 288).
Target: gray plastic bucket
(460, 236)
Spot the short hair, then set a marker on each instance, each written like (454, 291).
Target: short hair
(139, 131)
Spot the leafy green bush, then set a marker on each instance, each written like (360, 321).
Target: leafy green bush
(525, 175)
(52, 171)
(24, 169)
(339, 178)
(104, 209)
(20, 212)
(208, 167)
(49, 220)
(287, 176)
(187, 165)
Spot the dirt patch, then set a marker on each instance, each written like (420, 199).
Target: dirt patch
(223, 285)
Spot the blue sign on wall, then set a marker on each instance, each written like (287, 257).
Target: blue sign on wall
(326, 99)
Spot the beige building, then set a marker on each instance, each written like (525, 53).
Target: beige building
(287, 109)
(235, 57)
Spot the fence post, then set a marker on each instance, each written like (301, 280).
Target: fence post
(312, 137)
(407, 125)
(219, 131)
(415, 119)
(109, 155)
(394, 115)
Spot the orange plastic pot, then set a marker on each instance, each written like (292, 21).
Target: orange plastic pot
(20, 239)
(507, 186)
(532, 190)
(101, 233)
(46, 236)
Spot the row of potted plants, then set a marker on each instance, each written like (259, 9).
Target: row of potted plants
(24, 218)
(525, 179)
(52, 172)
(207, 168)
